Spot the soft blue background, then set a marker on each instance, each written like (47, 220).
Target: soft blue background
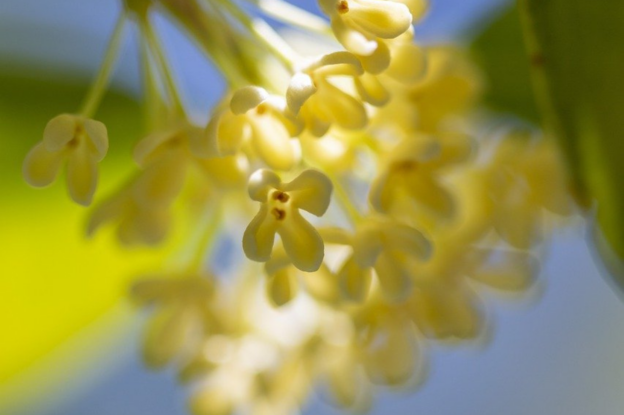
(558, 353)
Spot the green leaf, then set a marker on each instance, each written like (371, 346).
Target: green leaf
(500, 52)
(577, 59)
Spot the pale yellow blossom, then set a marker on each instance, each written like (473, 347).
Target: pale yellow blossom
(279, 213)
(79, 141)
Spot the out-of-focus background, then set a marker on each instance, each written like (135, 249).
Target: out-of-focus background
(74, 346)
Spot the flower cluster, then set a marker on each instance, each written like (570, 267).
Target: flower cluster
(393, 209)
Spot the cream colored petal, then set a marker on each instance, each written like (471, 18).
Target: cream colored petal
(301, 87)
(161, 182)
(322, 285)
(394, 358)
(59, 131)
(98, 135)
(279, 260)
(394, 278)
(351, 39)
(310, 191)
(302, 242)
(431, 195)
(211, 402)
(447, 312)
(145, 227)
(354, 281)
(408, 64)
(367, 244)
(110, 210)
(371, 90)
(378, 61)
(346, 111)
(271, 140)
(381, 192)
(82, 175)
(259, 236)
(261, 182)
(343, 58)
(247, 98)
(518, 223)
(147, 146)
(404, 238)
(418, 8)
(42, 166)
(512, 271)
(207, 145)
(454, 148)
(383, 19)
(316, 126)
(166, 335)
(282, 287)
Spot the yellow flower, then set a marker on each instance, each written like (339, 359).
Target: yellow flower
(444, 305)
(279, 213)
(184, 311)
(524, 178)
(412, 171)
(137, 223)
(319, 102)
(259, 118)
(283, 280)
(388, 247)
(80, 141)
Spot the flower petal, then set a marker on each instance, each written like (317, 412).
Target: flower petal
(371, 90)
(447, 312)
(82, 175)
(394, 278)
(301, 87)
(161, 182)
(408, 64)
(271, 141)
(310, 191)
(59, 131)
(148, 145)
(407, 239)
(351, 39)
(367, 244)
(247, 98)
(42, 166)
(302, 242)
(378, 61)
(381, 192)
(340, 107)
(282, 287)
(383, 19)
(354, 281)
(98, 135)
(261, 182)
(259, 236)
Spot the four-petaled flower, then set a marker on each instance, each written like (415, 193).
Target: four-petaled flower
(80, 141)
(279, 213)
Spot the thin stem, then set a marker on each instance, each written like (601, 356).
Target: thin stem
(165, 69)
(293, 15)
(345, 201)
(265, 34)
(207, 239)
(98, 88)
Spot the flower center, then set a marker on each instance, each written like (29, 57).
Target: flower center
(343, 7)
(280, 196)
(280, 214)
